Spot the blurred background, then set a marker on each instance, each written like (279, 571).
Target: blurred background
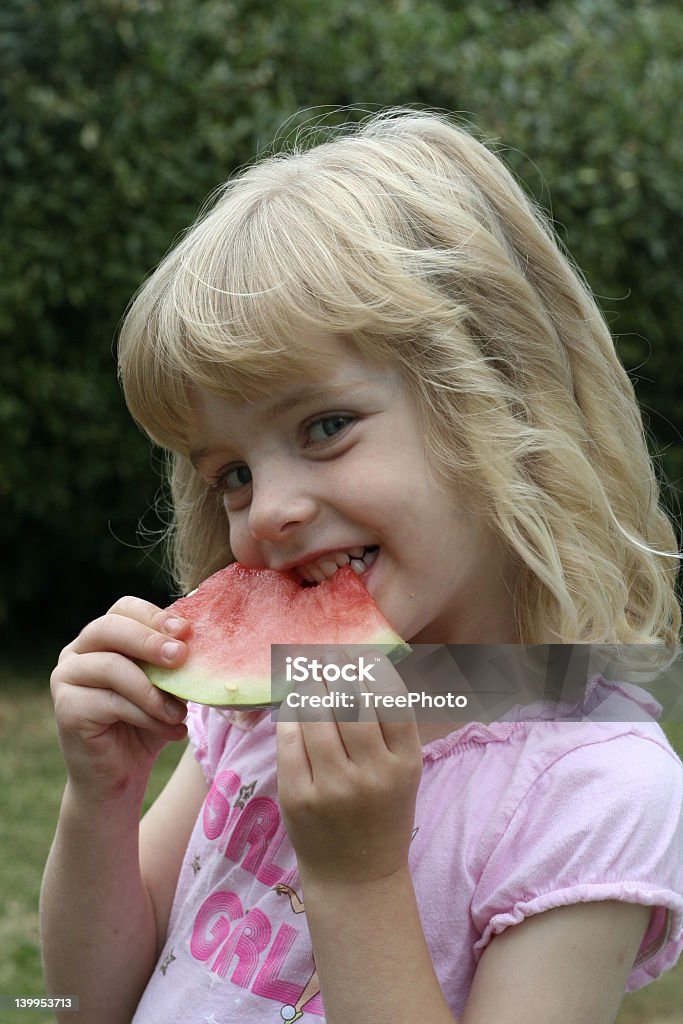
(118, 118)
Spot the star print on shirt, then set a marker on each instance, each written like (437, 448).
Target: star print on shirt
(167, 963)
(244, 794)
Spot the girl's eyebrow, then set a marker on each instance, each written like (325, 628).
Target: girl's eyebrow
(304, 394)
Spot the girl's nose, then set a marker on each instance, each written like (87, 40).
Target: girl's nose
(278, 505)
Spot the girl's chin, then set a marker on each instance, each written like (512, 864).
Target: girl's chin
(400, 611)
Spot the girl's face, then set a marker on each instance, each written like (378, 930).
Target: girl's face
(331, 465)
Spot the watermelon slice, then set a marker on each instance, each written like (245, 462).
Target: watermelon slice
(238, 613)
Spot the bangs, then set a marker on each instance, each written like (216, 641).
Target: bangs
(295, 247)
(229, 311)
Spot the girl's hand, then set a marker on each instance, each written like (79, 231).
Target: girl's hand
(347, 789)
(112, 721)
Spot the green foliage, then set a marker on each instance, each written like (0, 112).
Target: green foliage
(119, 117)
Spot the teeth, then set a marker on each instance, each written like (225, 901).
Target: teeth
(371, 556)
(359, 558)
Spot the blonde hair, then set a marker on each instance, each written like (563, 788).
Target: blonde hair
(407, 235)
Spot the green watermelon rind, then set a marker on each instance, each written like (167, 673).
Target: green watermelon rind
(181, 683)
(238, 611)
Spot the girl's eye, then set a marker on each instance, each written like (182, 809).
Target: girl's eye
(327, 427)
(231, 479)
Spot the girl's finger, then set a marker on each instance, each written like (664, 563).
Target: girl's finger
(389, 699)
(319, 730)
(292, 759)
(104, 708)
(135, 609)
(132, 638)
(354, 707)
(148, 614)
(75, 679)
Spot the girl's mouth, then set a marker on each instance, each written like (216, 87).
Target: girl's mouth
(360, 559)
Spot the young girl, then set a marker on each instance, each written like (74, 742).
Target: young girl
(372, 350)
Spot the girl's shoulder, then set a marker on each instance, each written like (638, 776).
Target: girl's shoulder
(580, 811)
(538, 734)
(539, 793)
(612, 731)
(532, 769)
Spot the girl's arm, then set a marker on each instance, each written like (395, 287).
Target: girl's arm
(371, 956)
(347, 792)
(98, 930)
(565, 966)
(99, 919)
(107, 896)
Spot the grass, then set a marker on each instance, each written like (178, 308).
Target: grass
(32, 777)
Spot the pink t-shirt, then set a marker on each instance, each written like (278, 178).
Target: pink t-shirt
(512, 818)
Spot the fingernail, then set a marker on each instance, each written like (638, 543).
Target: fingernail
(169, 650)
(333, 658)
(174, 625)
(174, 710)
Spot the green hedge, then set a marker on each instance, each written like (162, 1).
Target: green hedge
(120, 116)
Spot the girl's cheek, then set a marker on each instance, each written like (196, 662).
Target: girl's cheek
(244, 546)
(238, 534)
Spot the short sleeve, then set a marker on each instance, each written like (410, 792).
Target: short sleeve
(602, 821)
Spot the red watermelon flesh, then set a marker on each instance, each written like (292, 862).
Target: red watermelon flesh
(238, 613)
